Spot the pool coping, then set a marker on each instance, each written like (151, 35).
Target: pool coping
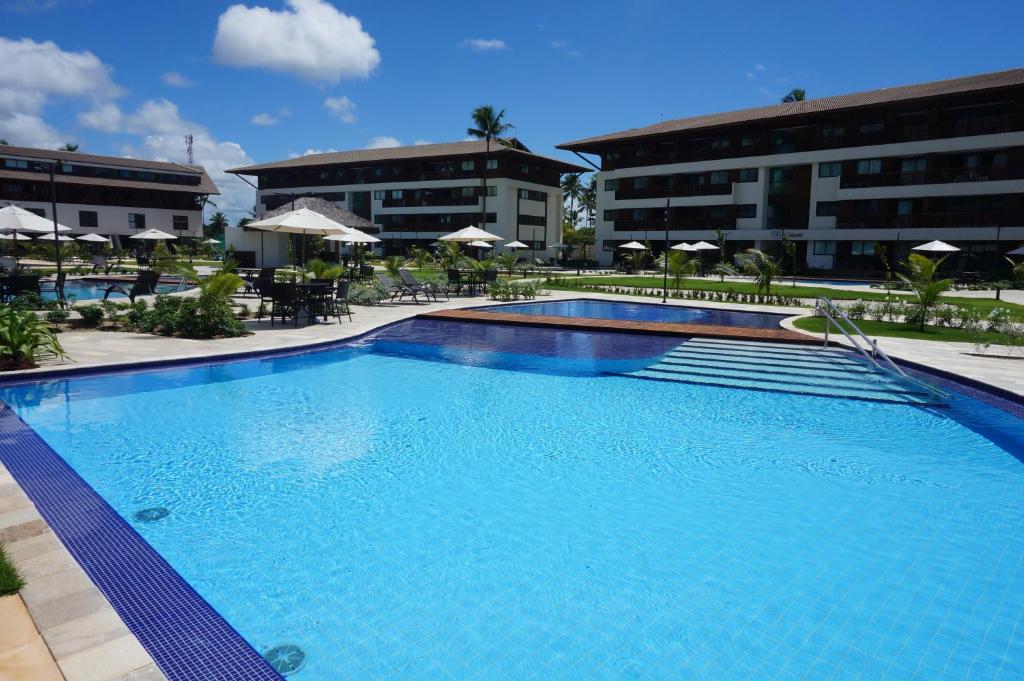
(179, 650)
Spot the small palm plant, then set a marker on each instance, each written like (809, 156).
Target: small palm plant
(920, 278)
(450, 254)
(421, 257)
(393, 264)
(680, 266)
(763, 267)
(320, 269)
(723, 270)
(23, 336)
(507, 262)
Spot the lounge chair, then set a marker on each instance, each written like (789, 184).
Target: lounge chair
(55, 286)
(415, 286)
(395, 290)
(100, 262)
(144, 285)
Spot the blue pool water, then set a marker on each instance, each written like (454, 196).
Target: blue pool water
(83, 289)
(647, 312)
(449, 500)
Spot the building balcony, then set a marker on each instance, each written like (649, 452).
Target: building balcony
(934, 176)
(427, 201)
(677, 191)
(919, 220)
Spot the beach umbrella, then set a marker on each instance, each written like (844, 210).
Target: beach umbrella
(13, 218)
(97, 238)
(480, 244)
(468, 234)
(352, 235)
(936, 247)
(634, 246)
(704, 246)
(25, 237)
(212, 241)
(689, 248)
(299, 221)
(1016, 251)
(515, 244)
(49, 236)
(153, 235)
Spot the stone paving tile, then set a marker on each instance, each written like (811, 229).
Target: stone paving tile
(29, 662)
(16, 627)
(147, 673)
(75, 635)
(106, 661)
(68, 606)
(9, 535)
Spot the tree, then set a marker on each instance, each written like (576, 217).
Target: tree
(921, 279)
(421, 257)
(763, 267)
(217, 224)
(789, 248)
(572, 191)
(589, 199)
(4, 142)
(507, 261)
(68, 147)
(797, 94)
(489, 125)
(581, 238)
(679, 266)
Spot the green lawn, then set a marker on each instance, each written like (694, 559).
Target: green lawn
(900, 330)
(788, 290)
(10, 580)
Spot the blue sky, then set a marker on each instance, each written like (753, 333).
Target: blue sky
(412, 71)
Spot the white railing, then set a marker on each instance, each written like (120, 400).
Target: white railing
(833, 314)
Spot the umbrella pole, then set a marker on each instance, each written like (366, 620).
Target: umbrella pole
(53, 210)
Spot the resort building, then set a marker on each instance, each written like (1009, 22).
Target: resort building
(113, 196)
(415, 194)
(898, 166)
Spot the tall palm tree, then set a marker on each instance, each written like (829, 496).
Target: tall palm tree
(763, 267)
(489, 125)
(572, 190)
(4, 142)
(68, 147)
(589, 199)
(217, 224)
(797, 94)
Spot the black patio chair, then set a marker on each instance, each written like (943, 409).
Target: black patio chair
(339, 304)
(413, 285)
(144, 285)
(396, 290)
(284, 301)
(454, 281)
(490, 277)
(23, 283)
(366, 272)
(55, 286)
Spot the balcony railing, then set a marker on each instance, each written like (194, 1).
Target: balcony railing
(681, 190)
(412, 202)
(956, 219)
(934, 176)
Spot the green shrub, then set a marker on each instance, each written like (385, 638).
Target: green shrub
(28, 301)
(92, 315)
(10, 581)
(191, 317)
(23, 335)
(57, 315)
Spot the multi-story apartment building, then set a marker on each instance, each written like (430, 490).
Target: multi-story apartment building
(415, 194)
(898, 166)
(113, 196)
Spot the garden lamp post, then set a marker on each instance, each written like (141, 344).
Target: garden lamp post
(664, 257)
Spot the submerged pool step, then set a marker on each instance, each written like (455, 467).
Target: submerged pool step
(803, 370)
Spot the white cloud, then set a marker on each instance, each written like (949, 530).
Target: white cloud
(342, 108)
(484, 44)
(33, 72)
(310, 38)
(750, 75)
(29, 131)
(264, 119)
(175, 79)
(105, 117)
(420, 143)
(383, 142)
(760, 67)
(310, 152)
(29, 6)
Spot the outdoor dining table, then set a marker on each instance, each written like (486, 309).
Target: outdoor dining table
(313, 297)
(248, 273)
(472, 279)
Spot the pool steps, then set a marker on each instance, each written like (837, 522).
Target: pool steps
(803, 370)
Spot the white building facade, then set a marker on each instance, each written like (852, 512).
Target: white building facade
(838, 176)
(112, 196)
(415, 194)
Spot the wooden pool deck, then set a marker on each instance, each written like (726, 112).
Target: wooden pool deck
(621, 325)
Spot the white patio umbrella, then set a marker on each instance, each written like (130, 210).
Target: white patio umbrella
(1016, 251)
(468, 234)
(936, 247)
(689, 248)
(299, 221)
(480, 244)
(153, 235)
(20, 237)
(352, 235)
(634, 246)
(212, 241)
(91, 236)
(515, 244)
(704, 246)
(49, 236)
(14, 218)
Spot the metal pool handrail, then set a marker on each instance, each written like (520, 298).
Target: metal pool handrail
(872, 353)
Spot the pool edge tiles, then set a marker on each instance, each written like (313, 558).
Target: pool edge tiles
(183, 633)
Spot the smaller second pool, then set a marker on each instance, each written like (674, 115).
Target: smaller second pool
(643, 312)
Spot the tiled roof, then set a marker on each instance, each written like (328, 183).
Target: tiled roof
(327, 208)
(401, 153)
(205, 186)
(889, 95)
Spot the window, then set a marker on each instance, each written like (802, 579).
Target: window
(395, 194)
(641, 182)
(638, 213)
(831, 130)
(609, 215)
(826, 209)
(378, 194)
(862, 248)
(869, 166)
(179, 222)
(783, 141)
(746, 210)
(747, 140)
(136, 221)
(905, 207)
(912, 165)
(719, 176)
(524, 193)
(748, 175)
(87, 218)
(467, 192)
(41, 212)
(719, 142)
(468, 165)
(492, 190)
(611, 185)
(871, 127)
(492, 164)
(16, 164)
(999, 159)
(832, 169)
(824, 248)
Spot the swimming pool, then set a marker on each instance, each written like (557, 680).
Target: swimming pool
(88, 289)
(446, 500)
(613, 309)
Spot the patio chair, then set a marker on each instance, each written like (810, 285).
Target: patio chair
(366, 272)
(490, 277)
(144, 285)
(454, 281)
(55, 286)
(99, 262)
(7, 263)
(339, 304)
(265, 276)
(284, 301)
(399, 291)
(23, 283)
(413, 285)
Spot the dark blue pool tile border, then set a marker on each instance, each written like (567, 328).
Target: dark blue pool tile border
(184, 635)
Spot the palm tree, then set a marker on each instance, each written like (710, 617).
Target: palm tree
(217, 224)
(4, 142)
(680, 265)
(589, 199)
(489, 125)
(763, 267)
(507, 261)
(572, 190)
(68, 147)
(421, 257)
(797, 94)
(921, 279)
